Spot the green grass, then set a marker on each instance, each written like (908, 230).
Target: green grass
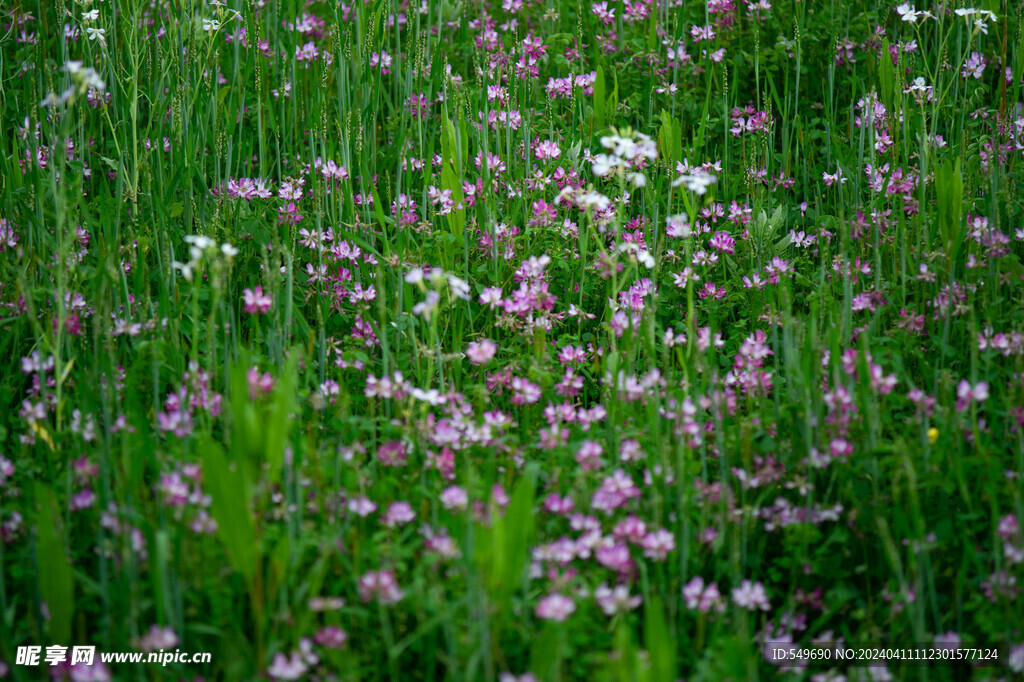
(268, 268)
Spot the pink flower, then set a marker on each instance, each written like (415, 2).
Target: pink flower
(750, 596)
(703, 598)
(1008, 527)
(547, 150)
(392, 454)
(509, 677)
(398, 514)
(616, 599)
(331, 637)
(257, 302)
(490, 296)
(97, 672)
(454, 497)
(614, 555)
(481, 352)
(258, 383)
(723, 242)
(380, 585)
(556, 607)
(589, 455)
(362, 506)
(290, 668)
(1015, 661)
(556, 504)
(657, 544)
(158, 638)
(966, 394)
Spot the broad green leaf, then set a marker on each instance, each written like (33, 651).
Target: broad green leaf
(600, 99)
(56, 586)
(512, 536)
(280, 418)
(546, 653)
(886, 77)
(1019, 73)
(949, 199)
(457, 216)
(228, 486)
(658, 640)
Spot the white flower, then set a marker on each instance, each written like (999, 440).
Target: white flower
(99, 34)
(634, 252)
(185, 268)
(437, 277)
(596, 201)
(678, 226)
(629, 146)
(53, 100)
(432, 396)
(414, 276)
(91, 78)
(459, 287)
(427, 306)
(984, 16)
(211, 25)
(604, 164)
(907, 13)
(228, 250)
(199, 241)
(91, 15)
(697, 183)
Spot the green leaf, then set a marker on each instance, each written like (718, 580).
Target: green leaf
(600, 99)
(887, 78)
(669, 139)
(450, 11)
(698, 143)
(161, 547)
(228, 486)
(451, 173)
(56, 586)
(457, 216)
(1019, 72)
(546, 653)
(652, 28)
(949, 200)
(377, 208)
(659, 642)
(510, 539)
(625, 665)
(281, 418)
(277, 569)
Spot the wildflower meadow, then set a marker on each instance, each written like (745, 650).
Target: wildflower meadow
(511, 340)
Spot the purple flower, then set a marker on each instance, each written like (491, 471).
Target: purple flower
(556, 607)
(331, 637)
(481, 352)
(287, 668)
(257, 302)
(750, 596)
(398, 514)
(454, 498)
(380, 585)
(616, 599)
(703, 598)
(723, 243)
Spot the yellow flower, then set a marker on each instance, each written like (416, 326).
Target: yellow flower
(933, 435)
